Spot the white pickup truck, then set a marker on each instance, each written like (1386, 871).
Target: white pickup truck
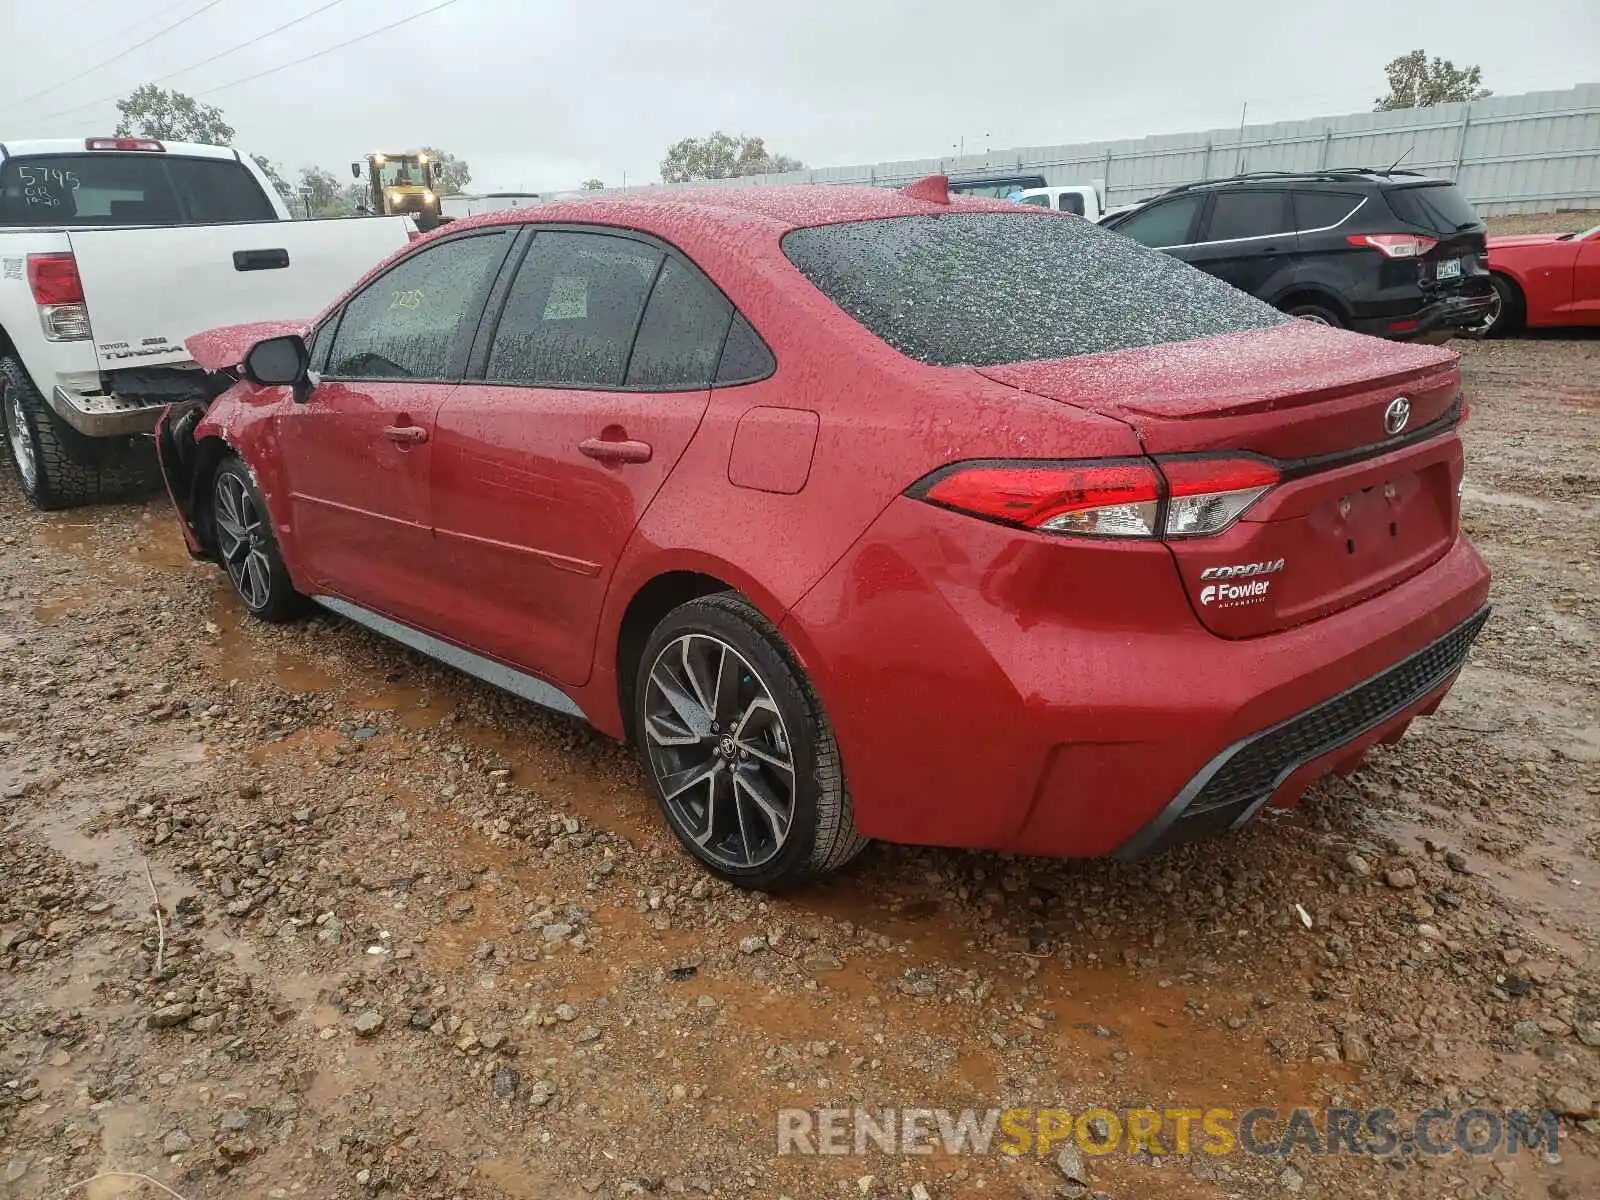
(112, 252)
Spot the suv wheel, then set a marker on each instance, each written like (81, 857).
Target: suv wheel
(741, 756)
(247, 548)
(1316, 314)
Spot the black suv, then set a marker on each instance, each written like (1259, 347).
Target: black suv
(1387, 252)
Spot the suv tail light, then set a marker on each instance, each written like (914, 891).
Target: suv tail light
(1181, 496)
(123, 143)
(58, 291)
(1394, 245)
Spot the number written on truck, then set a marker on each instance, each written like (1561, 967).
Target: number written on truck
(126, 189)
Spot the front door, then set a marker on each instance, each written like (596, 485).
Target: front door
(1247, 239)
(596, 380)
(357, 455)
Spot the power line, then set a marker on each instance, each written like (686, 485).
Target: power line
(121, 54)
(328, 50)
(202, 63)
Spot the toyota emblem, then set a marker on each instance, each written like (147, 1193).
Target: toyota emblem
(1396, 415)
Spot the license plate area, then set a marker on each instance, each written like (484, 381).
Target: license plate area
(1447, 268)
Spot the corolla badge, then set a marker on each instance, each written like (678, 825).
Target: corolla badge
(1396, 415)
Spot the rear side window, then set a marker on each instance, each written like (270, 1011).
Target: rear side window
(1070, 202)
(1322, 210)
(1236, 215)
(1437, 207)
(573, 310)
(144, 188)
(986, 288)
(413, 321)
(745, 357)
(682, 333)
(1164, 224)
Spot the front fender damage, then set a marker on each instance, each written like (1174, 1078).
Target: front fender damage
(187, 461)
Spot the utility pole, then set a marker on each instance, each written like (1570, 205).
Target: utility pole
(1238, 162)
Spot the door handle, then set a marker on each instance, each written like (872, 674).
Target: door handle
(620, 451)
(405, 435)
(260, 260)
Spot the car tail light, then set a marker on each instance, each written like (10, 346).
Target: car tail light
(58, 291)
(1185, 496)
(122, 143)
(1206, 495)
(1394, 245)
(1109, 498)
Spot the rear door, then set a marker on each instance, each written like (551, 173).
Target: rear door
(594, 381)
(358, 453)
(1247, 238)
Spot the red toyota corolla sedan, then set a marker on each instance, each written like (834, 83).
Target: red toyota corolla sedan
(863, 513)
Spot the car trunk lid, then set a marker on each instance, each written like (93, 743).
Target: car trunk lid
(1438, 209)
(1362, 504)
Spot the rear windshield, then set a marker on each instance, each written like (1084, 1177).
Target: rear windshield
(986, 288)
(144, 188)
(1436, 207)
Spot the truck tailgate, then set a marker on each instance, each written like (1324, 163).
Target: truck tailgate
(147, 289)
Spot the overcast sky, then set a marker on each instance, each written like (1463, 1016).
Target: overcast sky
(542, 94)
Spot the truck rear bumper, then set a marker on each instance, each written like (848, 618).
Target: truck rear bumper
(104, 416)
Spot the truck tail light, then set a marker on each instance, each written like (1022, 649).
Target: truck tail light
(58, 291)
(122, 143)
(1394, 245)
(1180, 496)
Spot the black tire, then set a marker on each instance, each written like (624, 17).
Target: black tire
(247, 548)
(57, 466)
(1316, 313)
(819, 835)
(1507, 313)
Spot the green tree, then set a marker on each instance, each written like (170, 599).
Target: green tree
(594, 185)
(453, 172)
(721, 155)
(156, 113)
(281, 184)
(1417, 82)
(324, 192)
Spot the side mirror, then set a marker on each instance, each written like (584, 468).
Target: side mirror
(355, 170)
(278, 362)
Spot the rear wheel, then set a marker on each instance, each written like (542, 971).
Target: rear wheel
(39, 442)
(740, 753)
(1506, 311)
(1317, 314)
(248, 549)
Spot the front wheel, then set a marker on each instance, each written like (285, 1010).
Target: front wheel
(247, 548)
(1316, 314)
(738, 749)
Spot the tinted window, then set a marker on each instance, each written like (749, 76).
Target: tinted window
(1036, 201)
(985, 288)
(572, 311)
(1164, 224)
(745, 357)
(146, 188)
(1318, 210)
(1436, 207)
(409, 322)
(1246, 215)
(1070, 202)
(682, 333)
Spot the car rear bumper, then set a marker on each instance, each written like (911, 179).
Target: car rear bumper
(965, 717)
(1456, 310)
(101, 416)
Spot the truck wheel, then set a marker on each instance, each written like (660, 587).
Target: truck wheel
(36, 440)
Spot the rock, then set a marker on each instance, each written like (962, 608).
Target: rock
(1291, 1180)
(176, 1142)
(506, 1084)
(235, 1120)
(1070, 1163)
(368, 1022)
(422, 1018)
(557, 932)
(1589, 1033)
(1398, 877)
(1572, 1101)
(1353, 1047)
(565, 1012)
(15, 1170)
(1357, 865)
(589, 1034)
(541, 1093)
(1457, 862)
(920, 1192)
(754, 944)
(491, 1039)
(705, 1001)
(209, 1023)
(170, 1016)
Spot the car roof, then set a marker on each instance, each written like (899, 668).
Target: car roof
(21, 147)
(1332, 179)
(787, 207)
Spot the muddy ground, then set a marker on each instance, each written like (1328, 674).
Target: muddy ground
(421, 939)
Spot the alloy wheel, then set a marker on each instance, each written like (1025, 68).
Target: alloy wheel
(720, 751)
(1491, 316)
(242, 540)
(19, 435)
(1313, 317)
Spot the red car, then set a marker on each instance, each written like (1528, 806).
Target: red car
(863, 513)
(1543, 280)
